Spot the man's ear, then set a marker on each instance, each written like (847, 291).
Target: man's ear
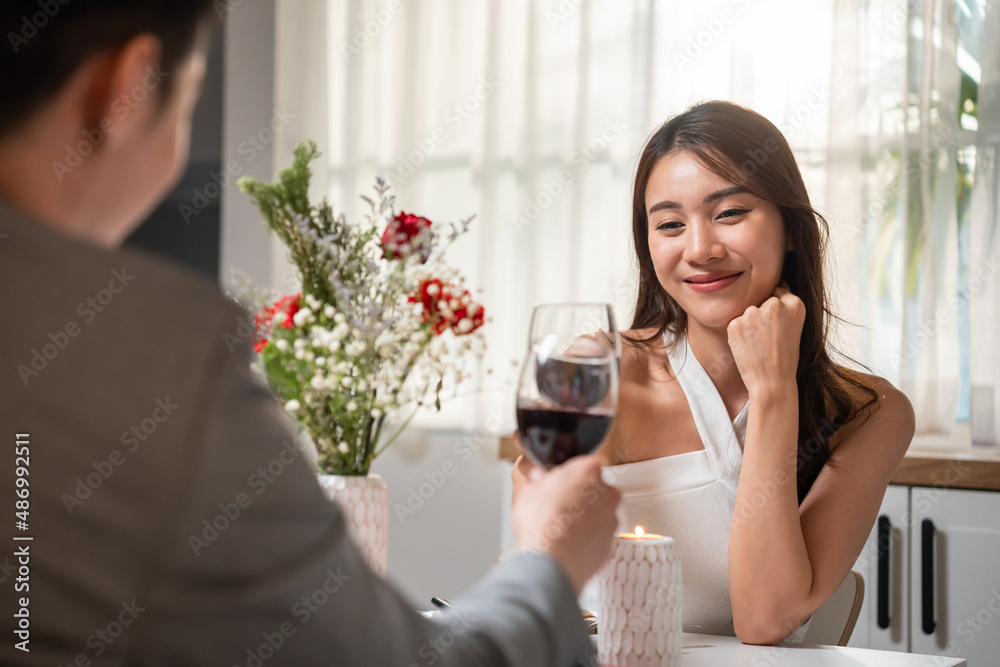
(124, 84)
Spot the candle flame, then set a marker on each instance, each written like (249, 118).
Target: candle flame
(639, 532)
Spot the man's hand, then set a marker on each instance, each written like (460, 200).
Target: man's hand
(568, 513)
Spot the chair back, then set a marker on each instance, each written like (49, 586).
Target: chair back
(833, 623)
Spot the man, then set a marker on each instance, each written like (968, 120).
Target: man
(130, 428)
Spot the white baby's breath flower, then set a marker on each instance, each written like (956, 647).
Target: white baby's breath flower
(309, 356)
(299, 344)
(464, 325)
(300, 354)
(280, 317)
(301, 317)
(293, 405)
(317, 382)
(321, 361)
(376, 413)
(339, 318)
(362, 385)
(333, 345)
(329, 310)
(281, 344)
(345, 381)
(343, 448)
(352, 406)
(433, 289)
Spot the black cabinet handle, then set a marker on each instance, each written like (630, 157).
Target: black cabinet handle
(927, 576)
(884, 542)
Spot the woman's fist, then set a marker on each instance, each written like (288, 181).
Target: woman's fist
(765, 341)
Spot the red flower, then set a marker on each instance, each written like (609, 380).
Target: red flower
(446, 307)
(404, 236)
(289, 305)
(264, 320)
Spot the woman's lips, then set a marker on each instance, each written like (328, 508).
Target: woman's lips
(715, 285)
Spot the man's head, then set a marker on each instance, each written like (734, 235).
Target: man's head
(94, 128)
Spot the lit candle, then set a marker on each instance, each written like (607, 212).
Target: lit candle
(640, 602)
(640, 534)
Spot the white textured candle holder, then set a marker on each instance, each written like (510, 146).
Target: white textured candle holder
(640, 610)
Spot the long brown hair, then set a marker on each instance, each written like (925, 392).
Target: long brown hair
(748, 150)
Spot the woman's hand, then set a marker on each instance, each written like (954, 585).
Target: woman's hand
(765, 341)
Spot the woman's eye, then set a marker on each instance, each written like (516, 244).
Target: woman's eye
(733, 212)
(668, 226)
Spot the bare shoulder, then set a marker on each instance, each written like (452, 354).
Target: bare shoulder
(893, 406)
(886, 428)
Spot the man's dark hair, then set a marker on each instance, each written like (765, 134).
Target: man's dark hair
(46, 41)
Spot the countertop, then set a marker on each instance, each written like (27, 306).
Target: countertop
(976, 468)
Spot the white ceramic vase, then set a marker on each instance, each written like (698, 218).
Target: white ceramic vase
(364, 500)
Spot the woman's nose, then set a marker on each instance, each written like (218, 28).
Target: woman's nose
(703, 244)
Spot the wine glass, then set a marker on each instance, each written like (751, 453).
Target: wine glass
(568, 390)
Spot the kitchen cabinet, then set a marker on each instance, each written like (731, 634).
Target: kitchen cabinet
(932, 575)
(885, 625)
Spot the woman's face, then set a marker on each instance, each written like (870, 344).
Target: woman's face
(716, 248)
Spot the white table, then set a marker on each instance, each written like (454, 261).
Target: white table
(714, 651)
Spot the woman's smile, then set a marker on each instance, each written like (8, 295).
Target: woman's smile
(712, 282)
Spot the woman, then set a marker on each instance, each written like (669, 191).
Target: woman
(736, 432)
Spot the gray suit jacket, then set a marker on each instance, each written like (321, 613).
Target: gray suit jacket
(172, 523)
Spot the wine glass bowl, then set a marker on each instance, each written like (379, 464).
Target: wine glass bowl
(568, 388)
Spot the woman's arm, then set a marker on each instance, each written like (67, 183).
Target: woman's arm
(785, 560)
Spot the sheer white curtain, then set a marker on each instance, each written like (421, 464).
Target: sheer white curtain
(912, 177)
(531, 115)
(985, 241)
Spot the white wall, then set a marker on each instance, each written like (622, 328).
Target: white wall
(248, 103)
(446, 499)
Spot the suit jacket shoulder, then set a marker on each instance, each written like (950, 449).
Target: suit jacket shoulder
(174, 521)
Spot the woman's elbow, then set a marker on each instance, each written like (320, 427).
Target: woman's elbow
(763, 629)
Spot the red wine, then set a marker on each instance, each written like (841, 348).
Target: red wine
(550, 437)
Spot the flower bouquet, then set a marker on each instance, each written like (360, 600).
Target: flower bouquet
(381, 323)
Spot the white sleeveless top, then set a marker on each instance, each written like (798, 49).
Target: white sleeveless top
(691, 497)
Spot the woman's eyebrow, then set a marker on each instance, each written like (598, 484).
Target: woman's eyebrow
(715, 196)
(725, 192)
